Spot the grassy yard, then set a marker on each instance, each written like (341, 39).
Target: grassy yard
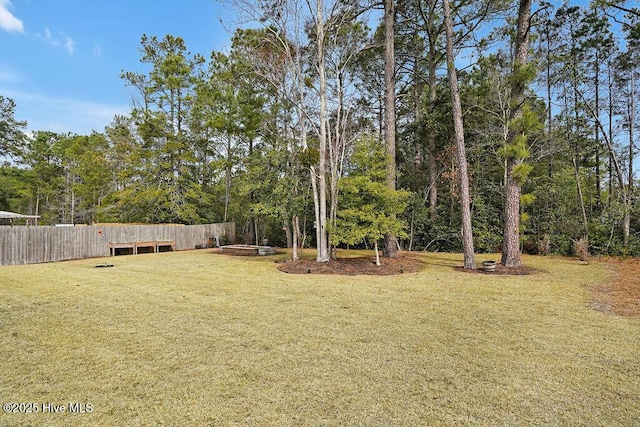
(192, 338)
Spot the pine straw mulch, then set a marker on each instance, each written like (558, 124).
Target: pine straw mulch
(354, 266)
(621, 295)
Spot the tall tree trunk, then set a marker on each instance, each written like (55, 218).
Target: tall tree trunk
(433, 164)
(390, 244)
(294, 238)
(337, 148)
(313, 175)
(227, 193)
(73, 207)
(323, 250)
(249, 232)
(432, 54)
(631, 108)
(465, 199)
(576, 171)
(227, 179)
(597, 135)
(610, 134)
(574, 144)
(288, 233)
(511, 231)
(549, 97)
(511, 234)
(37, 213)
(255, 230)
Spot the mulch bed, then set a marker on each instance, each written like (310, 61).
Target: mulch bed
(389, 266)
(621, 296)
(354, 266)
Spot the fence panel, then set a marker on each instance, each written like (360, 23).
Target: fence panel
(31, 245)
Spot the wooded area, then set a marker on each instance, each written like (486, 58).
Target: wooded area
(331, 122)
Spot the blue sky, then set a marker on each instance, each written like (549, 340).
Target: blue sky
(61, 60)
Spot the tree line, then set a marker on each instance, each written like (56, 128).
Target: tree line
(484, 125)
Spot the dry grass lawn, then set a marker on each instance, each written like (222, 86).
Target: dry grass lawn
(193, 338)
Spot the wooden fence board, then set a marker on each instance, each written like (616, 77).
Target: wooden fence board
(31, 245)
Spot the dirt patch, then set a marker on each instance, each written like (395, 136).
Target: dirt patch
(621, 295)
(354, 266)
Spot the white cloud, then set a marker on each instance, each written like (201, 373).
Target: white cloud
(97, 50)
(68, 44)
(8, 21)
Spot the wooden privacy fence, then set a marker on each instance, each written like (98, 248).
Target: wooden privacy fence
(31, 245)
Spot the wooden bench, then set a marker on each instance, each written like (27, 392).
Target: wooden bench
(114, 246)
(167, 245)
(151, 246)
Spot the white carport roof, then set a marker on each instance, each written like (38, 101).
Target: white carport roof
(13, 215)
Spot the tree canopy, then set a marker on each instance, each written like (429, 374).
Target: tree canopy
(290, 133)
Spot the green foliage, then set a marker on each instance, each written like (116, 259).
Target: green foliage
(14, 189)
(530, 122)
(524, 73)
(521, 172)
(487, 227)
(309, 157)
(163, 156)
(527, 199)
(517, 150)
(555, 211)
(222, 138)
(11, 130)
(368, 208)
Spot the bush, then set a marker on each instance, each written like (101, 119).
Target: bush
(544, 245)
(561, 245)
(581, 249)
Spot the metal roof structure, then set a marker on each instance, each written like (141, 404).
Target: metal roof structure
(13, 215)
